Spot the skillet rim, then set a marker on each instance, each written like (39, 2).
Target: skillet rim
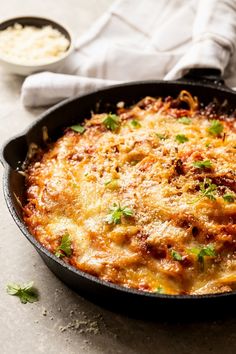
(39, 248)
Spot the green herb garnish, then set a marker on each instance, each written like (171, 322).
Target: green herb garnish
(208, 189)
(185, 120)
(116, 212)
(216, 127)
(134, 162)
(64, 249)
(112, 122)
(26, 292)
(112, 184)
(202, 164)
(78, 128)
(135, 123)
(176, 256)
(181, 138)
(159, 289)
(229, 198)
(161, 136)
(208, 251)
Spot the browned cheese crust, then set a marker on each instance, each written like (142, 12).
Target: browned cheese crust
(139, 203)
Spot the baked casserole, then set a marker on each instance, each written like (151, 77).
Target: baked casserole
(144, 198)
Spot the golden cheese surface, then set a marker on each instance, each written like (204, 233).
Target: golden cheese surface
(145, 198)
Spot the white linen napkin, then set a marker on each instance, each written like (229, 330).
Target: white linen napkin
(145, 39)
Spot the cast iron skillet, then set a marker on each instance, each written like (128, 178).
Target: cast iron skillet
(206, 85)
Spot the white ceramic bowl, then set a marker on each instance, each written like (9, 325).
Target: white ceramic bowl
(25, 70)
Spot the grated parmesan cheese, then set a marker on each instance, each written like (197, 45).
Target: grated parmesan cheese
(29, 45)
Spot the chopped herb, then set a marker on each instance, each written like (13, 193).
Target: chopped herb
(111, 122)
(208, 251)
(208, 189)
(161, 136)
(134, 162)
(116, 212)
(78, 128)
(185, 120)
(176, 255)
(64, 249)
(159, 289)
(108, 182)
(26, 292)
(229, 198)
(207, 145)
(202, 164)
(181, 138)
(112, 184)
(135, 123)
(216, 127)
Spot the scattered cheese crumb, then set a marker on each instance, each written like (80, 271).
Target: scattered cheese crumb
(44, 312)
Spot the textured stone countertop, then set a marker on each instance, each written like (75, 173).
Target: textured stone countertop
(62, 322)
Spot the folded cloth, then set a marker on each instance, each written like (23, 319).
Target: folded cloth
(48, 88)
(141, 40)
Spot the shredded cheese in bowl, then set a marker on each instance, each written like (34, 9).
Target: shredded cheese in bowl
(30, 45)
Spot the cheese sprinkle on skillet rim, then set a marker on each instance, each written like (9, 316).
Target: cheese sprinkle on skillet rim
(144, 198)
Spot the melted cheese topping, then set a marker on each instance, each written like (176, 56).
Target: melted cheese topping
(164, 245)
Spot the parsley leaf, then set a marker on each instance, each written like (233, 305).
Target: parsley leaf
(78, 128)
(135, 123)
(176, 255)
(111, 122)
(228, 197)
(116, 212)
(64, 249)
(134, 162)
(161, 136)
(202, 164)
(181, 138)
(159, 289)
(112, 184)
(208, 189)
(185, 120)
(26, 292)
(216, 127)
(208, 251)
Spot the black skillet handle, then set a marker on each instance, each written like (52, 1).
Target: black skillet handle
(205, 76)
(13, 152)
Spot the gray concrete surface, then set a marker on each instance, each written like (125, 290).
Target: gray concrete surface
(62, 322)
